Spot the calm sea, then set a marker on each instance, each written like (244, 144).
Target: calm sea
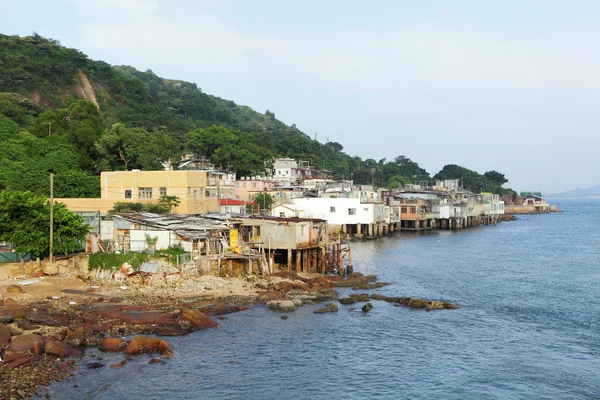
(529, 327)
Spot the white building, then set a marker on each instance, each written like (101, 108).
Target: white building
(343, 211)
(285, 170)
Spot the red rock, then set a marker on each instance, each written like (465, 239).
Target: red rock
(288, 287)
(116, 366)
(60, 349)
(269, 295)
(301, 287)
(27, 326)
(166, 331)
(190, 319)
(322, 281)
(155, 361)
(335, 278)
(290, 275)
(5, 335)
(22, 361)
(25, 343)
(62, 366)
(112, 344)
(76, 337)
(145, 344)
(14, 331)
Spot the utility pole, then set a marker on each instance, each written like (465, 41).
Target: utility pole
(51, 214)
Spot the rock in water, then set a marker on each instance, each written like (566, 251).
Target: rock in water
(60, 349)
(94, 365)
(191, 320)
(327, 309)
(281, 305)
(367, 307)
(145, 344)
(112, 344)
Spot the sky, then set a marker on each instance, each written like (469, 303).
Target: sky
(512, 86)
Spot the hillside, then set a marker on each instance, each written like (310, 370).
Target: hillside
(102, 117)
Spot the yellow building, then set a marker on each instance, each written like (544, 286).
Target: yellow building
(147, 187)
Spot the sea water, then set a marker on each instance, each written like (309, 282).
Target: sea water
(528, 327)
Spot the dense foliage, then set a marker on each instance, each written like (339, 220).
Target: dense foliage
(25, 223)
(78, 117)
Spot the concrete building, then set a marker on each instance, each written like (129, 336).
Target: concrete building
(149, 187)
(245, 188)
(353, 216)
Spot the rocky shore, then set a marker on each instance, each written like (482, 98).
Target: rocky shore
(42, 337)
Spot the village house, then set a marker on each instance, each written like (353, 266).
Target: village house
(245, 188)
(349, 215)
(234, 206)
(300, 244)
(213, 244)
(148, 187)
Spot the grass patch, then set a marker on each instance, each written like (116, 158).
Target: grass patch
(113, 261)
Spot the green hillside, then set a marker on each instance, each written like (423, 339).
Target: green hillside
(62, 110)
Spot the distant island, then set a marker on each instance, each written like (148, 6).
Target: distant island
(579, 193)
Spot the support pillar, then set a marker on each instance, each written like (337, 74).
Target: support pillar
(298, 260)
(289, 259)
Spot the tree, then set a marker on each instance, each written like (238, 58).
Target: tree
(496, 177)
(25, 223)
(169, 201)
(129, 207)
(396, 181)
(124, 148)
(264, 200)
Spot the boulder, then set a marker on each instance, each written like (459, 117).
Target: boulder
(287, 287)
(376, 296)
(327, 309)
(21, 361)
(60, 349)
(298, 302)
(94, 365)
(26, 342)
(415, 302)
(145, 344)
(281, 305)
(27, 326)
(6, 318)
(367, 307)
(269, 295)
(50, 268)
(76, 336)
(290, 275)
(14, 289)
(5, 335)
(354, 298)
(112, 344)
(190, 320)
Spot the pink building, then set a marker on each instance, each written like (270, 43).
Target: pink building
(243, 187)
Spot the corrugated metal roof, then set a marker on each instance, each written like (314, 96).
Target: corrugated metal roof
(148, 267)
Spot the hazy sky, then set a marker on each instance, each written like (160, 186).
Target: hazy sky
(508, 85)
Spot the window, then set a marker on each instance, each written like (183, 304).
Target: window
(189, 190)
(282, 214)
(128, 194)
(244, 184)
(352, 211)
(195, 194)
(145, 193)
(253, 184)
(413, 210)
(163, 191)
(366, 209)
(331, 209)
(404, 210)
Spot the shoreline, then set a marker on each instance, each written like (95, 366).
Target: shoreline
(48, 325)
